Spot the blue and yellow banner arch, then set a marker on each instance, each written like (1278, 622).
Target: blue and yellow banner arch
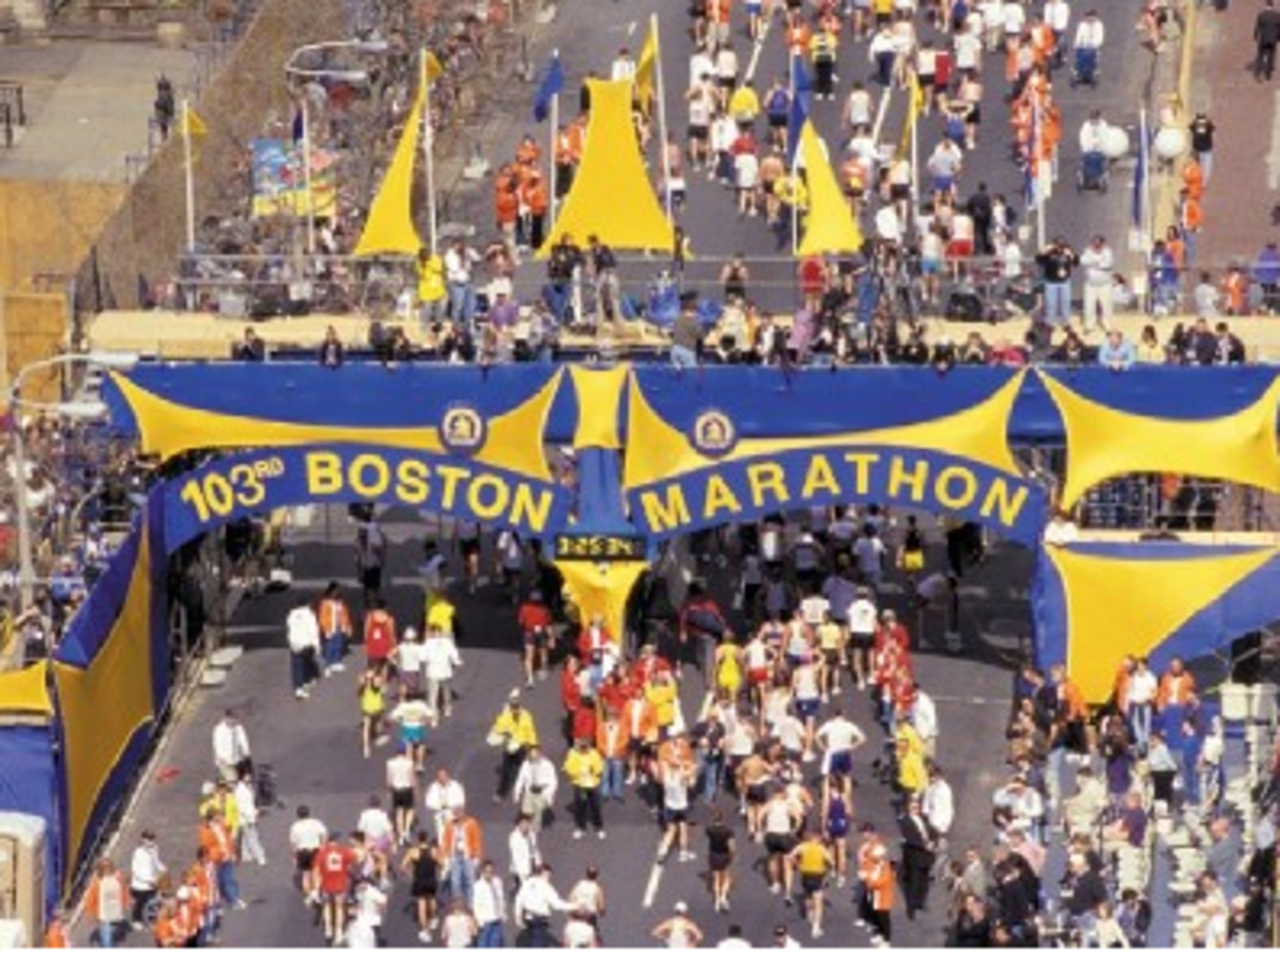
(752, 454)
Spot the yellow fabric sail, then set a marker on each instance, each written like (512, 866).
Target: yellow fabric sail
(26, 691)
(657, 451)
(389, 228)
(105, 704)
(1120, 605)
(611, 196)
(599, 403)
(830, 227)
(602, 589)
(1106, 443)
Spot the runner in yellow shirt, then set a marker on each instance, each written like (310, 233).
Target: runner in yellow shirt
(813, 860)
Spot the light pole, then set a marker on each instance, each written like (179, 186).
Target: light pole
(72, 409)
(292, 69)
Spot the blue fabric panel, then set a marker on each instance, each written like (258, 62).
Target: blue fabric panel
(92, 624)
(29, 785)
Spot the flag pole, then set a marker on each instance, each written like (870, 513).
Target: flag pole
(1039, 187)
(428, 150)
(794, 172)
(913, 112)
(310, 199)
(553, 166)
(190, 176)
(1148, 212)
(660, 90)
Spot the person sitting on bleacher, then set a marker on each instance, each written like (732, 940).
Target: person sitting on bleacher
(1083, 810)
(1130, 824)
(1018, 806)
(1083, 888)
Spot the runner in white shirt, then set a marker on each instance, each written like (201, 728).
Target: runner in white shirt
(839, 738)
(402, 783)
(380, 834)
(440, 657)
(306, 836)
(864, 619)
(1014, 18)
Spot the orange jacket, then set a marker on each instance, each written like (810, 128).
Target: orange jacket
(168, 931)
(215, 839)
(92, 897)
(534, 195)
(1070, 695)
(528, 154)
(1120, 689)
(1175, 689)
(334, 617)
(1193, 179)
(612, 738)
(472, 839)
(880, 882)
(506, 206)
(55, 935)
(641, 720)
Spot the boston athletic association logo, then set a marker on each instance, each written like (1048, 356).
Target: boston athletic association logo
(713, 434)
(462, 429)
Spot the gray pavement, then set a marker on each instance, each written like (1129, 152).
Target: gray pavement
(314, 748)
(88, 105)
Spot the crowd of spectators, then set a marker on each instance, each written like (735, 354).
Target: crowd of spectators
(1089, 798)
(81, 487)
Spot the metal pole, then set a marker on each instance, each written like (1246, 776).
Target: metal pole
(428, 150)
(26, 564)
(306, 173)
(553, 185)
(915, 157)
(1039, 183)
(662, 115)
(190, 177)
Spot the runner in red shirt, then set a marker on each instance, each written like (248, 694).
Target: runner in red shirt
(333, 865)
(534, 618)
(379, 637)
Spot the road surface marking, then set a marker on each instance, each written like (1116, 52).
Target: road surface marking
(655, 878)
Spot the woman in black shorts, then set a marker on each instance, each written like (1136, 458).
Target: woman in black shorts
(420, 863)
(720, 851)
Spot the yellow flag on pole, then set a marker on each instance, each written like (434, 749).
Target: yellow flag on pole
(831, 227)
(434, 68)
(192, 125)
(646, 67)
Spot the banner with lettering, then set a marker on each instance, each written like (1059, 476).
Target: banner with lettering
(912, 479)
(231, 488)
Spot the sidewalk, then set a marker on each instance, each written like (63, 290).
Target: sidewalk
(1239, 207)
(88, 106)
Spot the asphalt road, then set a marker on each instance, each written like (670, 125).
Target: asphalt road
(314, 747)
(589, 34)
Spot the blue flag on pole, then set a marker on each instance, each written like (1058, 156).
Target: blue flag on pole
(299, 126)
(1140, 178)
(552, 84)
(801, 95)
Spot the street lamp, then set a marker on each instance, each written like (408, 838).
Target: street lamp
(291, 69)
(78, 409)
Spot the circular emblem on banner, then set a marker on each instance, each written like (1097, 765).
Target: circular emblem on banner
(462, 429)
(713, 434)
